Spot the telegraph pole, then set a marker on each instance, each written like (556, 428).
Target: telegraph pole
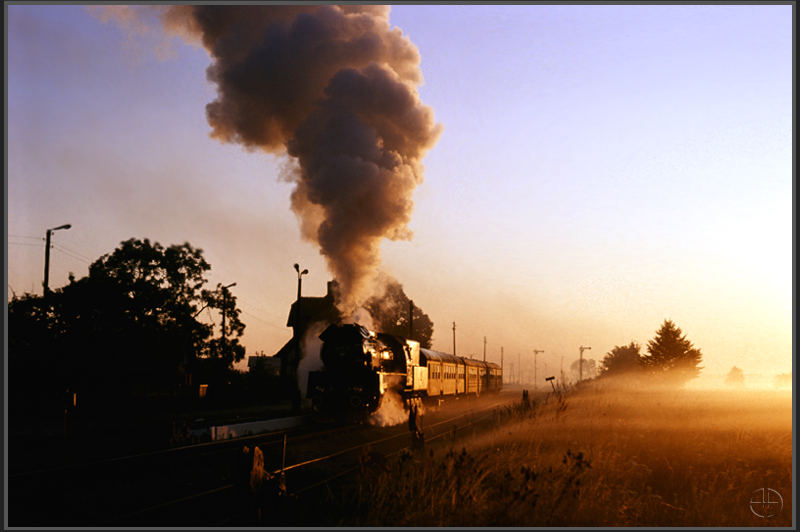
(519, 368)
(454, 338)
(47, 262)
(580, 363)
(484, 349)
(502, 368)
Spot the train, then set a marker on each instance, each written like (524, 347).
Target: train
(361, 366)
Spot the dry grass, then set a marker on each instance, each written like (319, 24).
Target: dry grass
(610, 458)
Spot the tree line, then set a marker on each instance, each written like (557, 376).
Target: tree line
(670, 357)
(126, 333)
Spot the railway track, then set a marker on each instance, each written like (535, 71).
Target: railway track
(97, 493)
(312, 471)
(201, 484)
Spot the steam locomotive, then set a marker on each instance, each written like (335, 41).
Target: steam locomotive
(361, 366)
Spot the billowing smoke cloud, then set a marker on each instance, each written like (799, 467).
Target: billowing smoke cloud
(335, 88)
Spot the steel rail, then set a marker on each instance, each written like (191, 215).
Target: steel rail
(178, 501)
(157, 452)
(381, 440)
(323, 458)
(443, 433)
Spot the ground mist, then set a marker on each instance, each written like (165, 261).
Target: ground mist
(602, 456)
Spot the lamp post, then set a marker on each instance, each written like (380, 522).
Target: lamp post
(292, 366)
(47, 256)
(299, 278)
(580, 363)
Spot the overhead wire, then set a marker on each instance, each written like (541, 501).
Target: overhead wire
(75, 252)
(27, 236)
(263, 320)
(71, 254)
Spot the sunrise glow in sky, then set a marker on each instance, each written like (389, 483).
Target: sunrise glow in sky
(600, 169)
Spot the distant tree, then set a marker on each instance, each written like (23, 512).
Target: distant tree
(390, 310)
(589, 369)
(671, 357)
(622, 360)
(783, 380)
(735, 377)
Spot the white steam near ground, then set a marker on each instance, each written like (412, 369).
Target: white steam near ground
(310, 349)
(390, 412)
(391, 409)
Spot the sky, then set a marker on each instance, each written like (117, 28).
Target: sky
(600, 169)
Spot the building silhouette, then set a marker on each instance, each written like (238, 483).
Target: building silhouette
(303, 313)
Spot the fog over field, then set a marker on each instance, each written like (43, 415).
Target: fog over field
(606, 456)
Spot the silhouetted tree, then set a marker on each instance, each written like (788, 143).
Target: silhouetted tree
(227, 346)
(735, 377)
(622, 360)
(672, 357)
(128, 329)
(390, 315)
(35, 368)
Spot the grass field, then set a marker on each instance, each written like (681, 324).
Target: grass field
(603, 457)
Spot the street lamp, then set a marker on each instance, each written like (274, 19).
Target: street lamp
(47, 256)
(291, 369)
(299, 278)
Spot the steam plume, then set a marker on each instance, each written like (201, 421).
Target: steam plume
(335, 88)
